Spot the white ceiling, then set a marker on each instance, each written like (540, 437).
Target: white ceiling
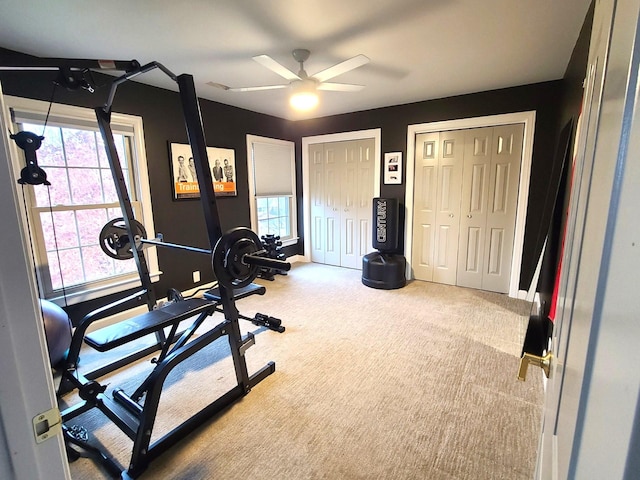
(419, 49)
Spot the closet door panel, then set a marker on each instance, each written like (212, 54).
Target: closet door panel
(424, 204)
(365, 197)
(473, 220)
(317, 201)
(503, 201)
(334, 158)
(447, 218)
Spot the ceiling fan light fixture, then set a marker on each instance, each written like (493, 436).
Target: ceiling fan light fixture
(303, 96)
(304, 101)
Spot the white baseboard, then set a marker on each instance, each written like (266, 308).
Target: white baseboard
(297, 259)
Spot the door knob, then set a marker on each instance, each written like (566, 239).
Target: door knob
(469, 216)
(451, 215)
(543, 362)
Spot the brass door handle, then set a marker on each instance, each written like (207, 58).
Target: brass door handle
(543, 362)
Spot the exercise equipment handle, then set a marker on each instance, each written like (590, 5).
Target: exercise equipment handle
(266, 262)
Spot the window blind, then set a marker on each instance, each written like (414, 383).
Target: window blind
(273, 169)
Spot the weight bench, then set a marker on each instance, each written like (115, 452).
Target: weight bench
(135, 413)
(136, 327)
(169, 315)
(153, 321)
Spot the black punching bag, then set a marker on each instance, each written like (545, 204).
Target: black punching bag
(384, 269)
(385, 224)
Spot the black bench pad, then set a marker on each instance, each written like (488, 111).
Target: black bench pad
(238, 293)
(149, 322)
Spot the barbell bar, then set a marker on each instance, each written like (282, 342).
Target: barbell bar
(161, 243)
(235, 259)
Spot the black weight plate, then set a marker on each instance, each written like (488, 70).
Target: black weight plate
(227, 257)
(114, 239)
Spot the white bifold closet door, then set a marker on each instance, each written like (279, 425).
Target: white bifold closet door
(341, 192)
(466, 188)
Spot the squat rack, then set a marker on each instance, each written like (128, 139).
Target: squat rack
(126, 412)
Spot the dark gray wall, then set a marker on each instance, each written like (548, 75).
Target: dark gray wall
(544, 98)
(555, 104)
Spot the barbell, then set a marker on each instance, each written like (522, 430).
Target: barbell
(236, 258)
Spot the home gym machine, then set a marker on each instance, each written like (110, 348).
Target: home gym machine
(236, 257)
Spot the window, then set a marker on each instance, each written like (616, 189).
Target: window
(66, 218)
(274, 216)
(272, 187)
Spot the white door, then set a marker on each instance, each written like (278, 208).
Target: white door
(26, 388)
(316, 202)
(473, 219)
(447, 217)
(341, 191)
(553, 459)
(348, 204)
(489, 206)
(502, 206)
(464, 218)
(364, 199)
(334, 157)
(591, 427)
(424, 205)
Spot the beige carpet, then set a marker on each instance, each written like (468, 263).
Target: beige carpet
(414, 383)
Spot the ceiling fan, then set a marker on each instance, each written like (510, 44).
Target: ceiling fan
(301, 83)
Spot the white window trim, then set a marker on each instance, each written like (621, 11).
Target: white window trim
(251, 139)
(142, 187)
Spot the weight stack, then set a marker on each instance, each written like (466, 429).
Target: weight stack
(384, 269)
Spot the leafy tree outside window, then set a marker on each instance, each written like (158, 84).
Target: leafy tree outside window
(66, 217)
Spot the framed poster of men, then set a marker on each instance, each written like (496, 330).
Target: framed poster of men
(222, 164)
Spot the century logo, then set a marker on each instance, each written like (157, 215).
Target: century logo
(381, 220)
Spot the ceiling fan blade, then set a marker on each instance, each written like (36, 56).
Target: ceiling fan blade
(218, 85)
(340, 68)
(245, 89)
(256, 89)
(271, 64)
(340, 87)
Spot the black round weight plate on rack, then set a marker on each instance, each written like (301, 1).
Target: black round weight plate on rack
(228, 254)
(114, 239)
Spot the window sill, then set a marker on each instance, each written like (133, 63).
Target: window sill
(102, 291)
(290, 241)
